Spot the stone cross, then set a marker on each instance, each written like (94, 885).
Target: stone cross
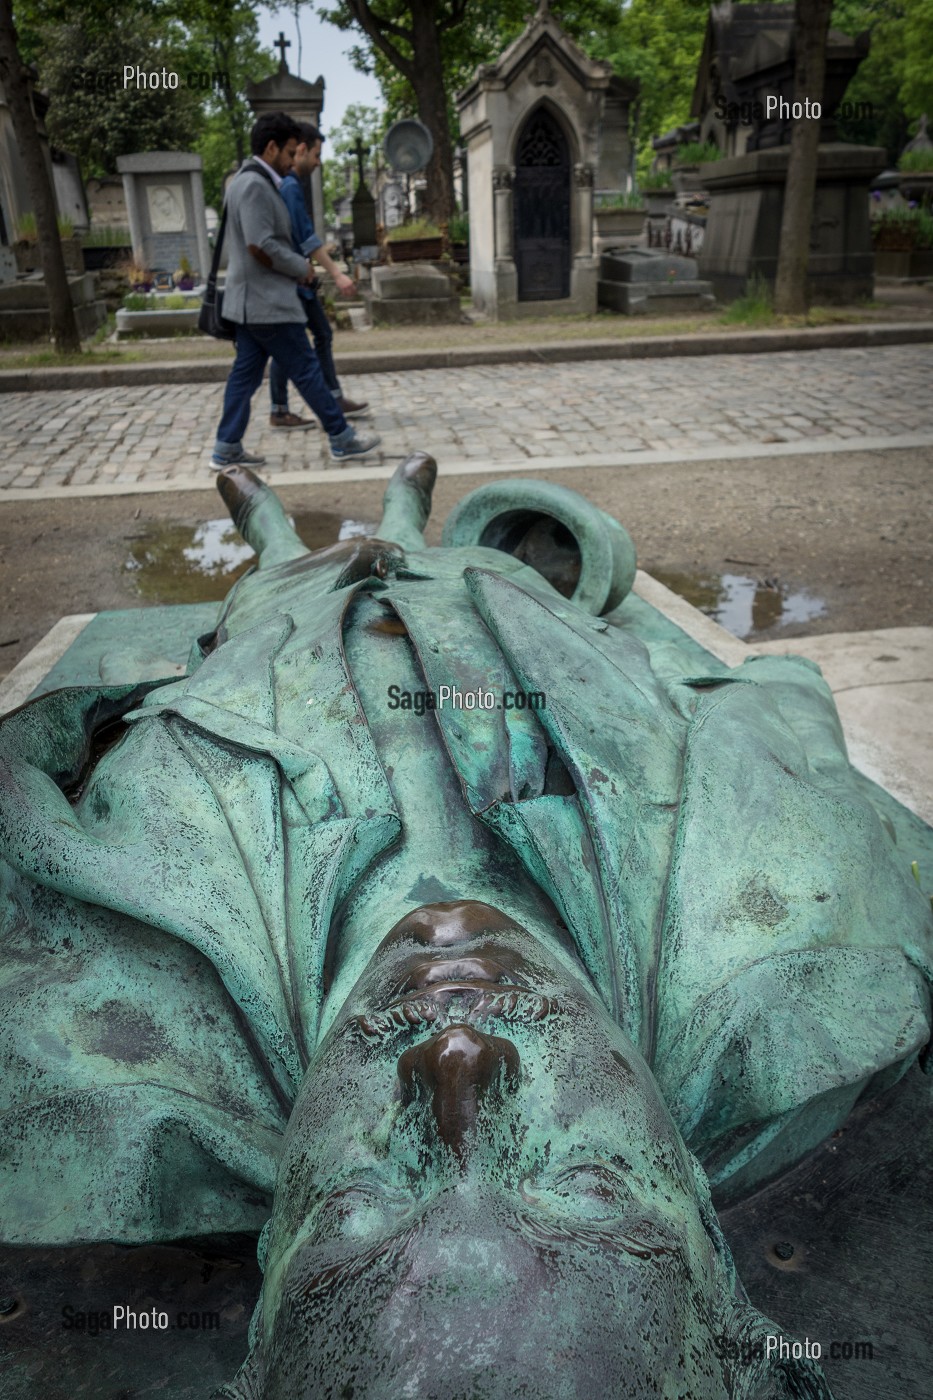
(360, 151)
(282, 44)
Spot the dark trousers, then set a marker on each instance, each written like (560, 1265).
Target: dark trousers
(287, 343)
(323, 338)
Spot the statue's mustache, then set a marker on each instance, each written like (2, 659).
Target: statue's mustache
(457, 1001)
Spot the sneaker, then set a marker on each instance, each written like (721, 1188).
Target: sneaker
(239, 459)
(290, 421)
(351, 409)
(350, 444)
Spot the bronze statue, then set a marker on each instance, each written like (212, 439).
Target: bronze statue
(465, 1006)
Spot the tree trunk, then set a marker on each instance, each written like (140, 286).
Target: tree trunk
(428, 84)
(222, 58)
(15, 79)
(811, 30)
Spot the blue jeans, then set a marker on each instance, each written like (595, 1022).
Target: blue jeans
(287, 342)
(323, 338)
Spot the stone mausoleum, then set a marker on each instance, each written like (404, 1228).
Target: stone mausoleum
(544, 127)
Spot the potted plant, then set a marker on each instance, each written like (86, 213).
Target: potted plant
(915, 177)
(687, 161)
(417, 241)
(903, 243)
(657, 188)
(103, 247)
(182, 276)
(140, 278)
(619, 215)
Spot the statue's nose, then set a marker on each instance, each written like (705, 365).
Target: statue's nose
(455, 1071)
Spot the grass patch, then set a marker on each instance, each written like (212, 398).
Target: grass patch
(754, 308)
(44, 359)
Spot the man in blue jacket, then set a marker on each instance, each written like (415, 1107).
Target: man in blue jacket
(261, 297)
(307, 242)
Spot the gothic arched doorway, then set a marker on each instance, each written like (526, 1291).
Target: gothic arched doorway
(542, 209)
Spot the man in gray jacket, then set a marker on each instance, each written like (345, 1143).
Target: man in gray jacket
(261, 297)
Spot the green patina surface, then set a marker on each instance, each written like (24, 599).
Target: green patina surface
(463, 1005)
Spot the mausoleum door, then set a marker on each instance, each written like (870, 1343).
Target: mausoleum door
(542, 210)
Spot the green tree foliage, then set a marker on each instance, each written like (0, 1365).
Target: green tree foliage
(917, 87)
(223, 39)
(657, 42)
(91, 113)
(212, 43)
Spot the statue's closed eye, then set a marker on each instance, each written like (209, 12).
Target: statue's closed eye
(360, 1211)
(589, 1191)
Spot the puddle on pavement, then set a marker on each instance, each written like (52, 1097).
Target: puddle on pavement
(745, 606)
(199, 563)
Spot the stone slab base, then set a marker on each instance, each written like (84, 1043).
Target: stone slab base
(33, 323)
(643, 298)
(415, 311)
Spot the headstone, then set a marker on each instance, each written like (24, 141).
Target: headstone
(638, 281)
(531, 124)
(393, 204)
(165, 207)
(363, 206)
(412, 294)
(69, 191)
(15, 198)
(7, 264)
(746, 206)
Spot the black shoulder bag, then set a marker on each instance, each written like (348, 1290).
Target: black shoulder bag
(211, 318)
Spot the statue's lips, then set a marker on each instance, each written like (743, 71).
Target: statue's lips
(481, 969)
(462, 1002)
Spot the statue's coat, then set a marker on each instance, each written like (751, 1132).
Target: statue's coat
(736, 900)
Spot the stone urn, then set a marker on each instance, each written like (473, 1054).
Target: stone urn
(687, 179)
(613, 224)
(658, 200)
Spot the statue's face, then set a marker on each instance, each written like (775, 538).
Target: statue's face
(482, 1192)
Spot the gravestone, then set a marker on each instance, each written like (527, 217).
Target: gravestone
(15, 198)
(393, 204)
(286, 92)
(637, 281)
(531, 124)
(362, 205)
(69, 191)
(165, 207)
(412, 294)
(743, 229)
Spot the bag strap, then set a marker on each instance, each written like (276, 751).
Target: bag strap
(249, 169)
(218, 249)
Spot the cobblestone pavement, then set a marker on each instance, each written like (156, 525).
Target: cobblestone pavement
(500, 413)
